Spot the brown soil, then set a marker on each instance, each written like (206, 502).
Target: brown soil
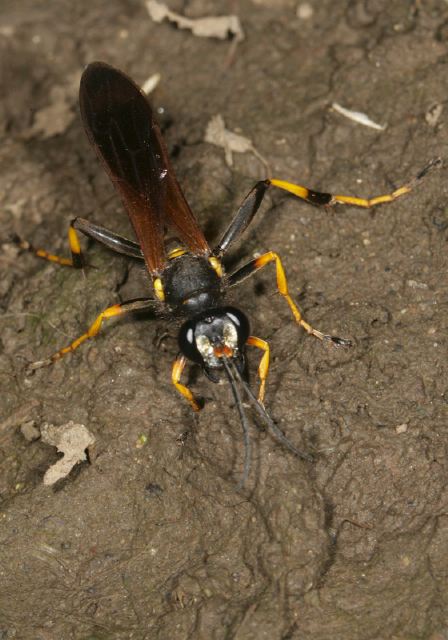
(152, 540)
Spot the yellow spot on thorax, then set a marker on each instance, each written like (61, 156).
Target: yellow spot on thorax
(216, 264)
(175, 253)
(158, 289)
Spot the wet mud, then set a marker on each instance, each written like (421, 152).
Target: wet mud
(149, 538)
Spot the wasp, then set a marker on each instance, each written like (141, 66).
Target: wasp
(189, 282)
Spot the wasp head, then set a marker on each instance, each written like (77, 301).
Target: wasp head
(214, 335)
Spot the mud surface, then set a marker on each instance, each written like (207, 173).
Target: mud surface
(150, 539)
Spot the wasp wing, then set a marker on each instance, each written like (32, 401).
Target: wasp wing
(119, 123)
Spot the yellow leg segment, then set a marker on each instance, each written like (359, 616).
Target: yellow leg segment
(282, 286)
(75, 248)
(296, 189)
(367, 203)
(176, 373)
(110, 312)
(263, 367)
(327, 199)
(66, 262)
(73, 241)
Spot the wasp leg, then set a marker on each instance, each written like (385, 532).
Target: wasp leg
(243, 217)
(263, 367)
(254, 198)
(282, 286)
(176, 373)
(327, 199)
(75, 261)
(110, 312)
(112, 240)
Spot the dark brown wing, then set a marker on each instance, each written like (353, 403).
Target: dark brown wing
(119, 123)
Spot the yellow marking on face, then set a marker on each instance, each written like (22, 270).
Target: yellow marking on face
(158, 289)
(217, 266)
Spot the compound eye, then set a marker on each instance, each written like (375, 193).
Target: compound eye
(241, 324)
(187, 343)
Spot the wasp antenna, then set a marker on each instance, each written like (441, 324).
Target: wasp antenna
(264, 415)
(228, 366)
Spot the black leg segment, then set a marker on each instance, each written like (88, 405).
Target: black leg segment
(243, 217)
(111, 240)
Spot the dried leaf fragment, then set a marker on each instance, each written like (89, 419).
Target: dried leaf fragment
(56, 117)
(211, 27)
(70, 439)
(433, 114)
(401, 428)
(29, 430)
(304, 11)
(151, 83)
(358, 116)
(217, 134)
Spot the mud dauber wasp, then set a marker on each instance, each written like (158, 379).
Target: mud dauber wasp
(189, 281)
